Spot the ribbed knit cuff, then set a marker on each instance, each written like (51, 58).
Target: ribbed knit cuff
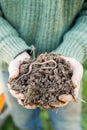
(71, 48)
(12, 46)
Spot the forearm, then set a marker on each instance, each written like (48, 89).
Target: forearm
(75, 41)
(10, 42)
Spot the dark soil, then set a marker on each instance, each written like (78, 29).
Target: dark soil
(43, 80)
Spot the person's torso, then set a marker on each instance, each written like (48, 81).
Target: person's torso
(42, 23)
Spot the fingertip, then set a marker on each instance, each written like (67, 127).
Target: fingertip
(59, 104)
(61, 98)
(14, 69)
(66, 98)
(20, 102)
(75, 82)
(9, 86)
(21, 96)
(13, 93)
(14, 74)
(30, 106)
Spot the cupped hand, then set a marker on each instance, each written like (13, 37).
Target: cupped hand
(14, 65)
(14, 73)
(76, 79)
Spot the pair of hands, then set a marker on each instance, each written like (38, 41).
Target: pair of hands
(76, 78)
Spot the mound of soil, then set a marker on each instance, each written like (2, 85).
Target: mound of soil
(43, 80)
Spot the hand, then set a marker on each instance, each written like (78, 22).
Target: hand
(76, 79)
(14, 65)
(14, 72)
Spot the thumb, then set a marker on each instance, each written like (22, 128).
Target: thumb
(14, 65)
(14, 69)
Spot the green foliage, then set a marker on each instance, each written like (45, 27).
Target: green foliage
(85, 64)
(84, 105)
(9, 125)
(46, 123)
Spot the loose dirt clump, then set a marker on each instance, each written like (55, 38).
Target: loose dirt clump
(43, 80)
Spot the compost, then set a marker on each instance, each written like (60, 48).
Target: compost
(43, 80)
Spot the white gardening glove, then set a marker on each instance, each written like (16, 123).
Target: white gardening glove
(14, 72)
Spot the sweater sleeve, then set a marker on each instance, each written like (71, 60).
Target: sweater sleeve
(75, 40)
(10, 42)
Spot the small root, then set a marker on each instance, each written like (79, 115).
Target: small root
(80, 99)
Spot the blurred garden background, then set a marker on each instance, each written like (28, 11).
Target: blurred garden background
(9, 125)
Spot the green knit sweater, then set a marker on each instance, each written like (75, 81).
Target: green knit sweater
(58, 26)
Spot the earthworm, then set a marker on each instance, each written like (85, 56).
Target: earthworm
(37, 63)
